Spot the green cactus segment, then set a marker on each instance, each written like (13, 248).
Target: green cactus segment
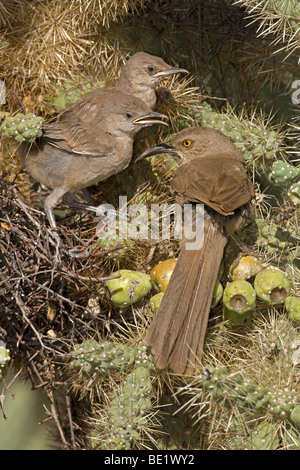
(294, 193)
(247, 267)
(268, 237)
(295, 415)
(117, 246)
(272, 286)
(69, 91)
(129, 288)
(233, 389)
(253, 140)
(281, 403)
(239, 300)
(263, 437)
(283, 172)
(91, 356)
(4, 359)
(217, 294)
(155, 302)
(128, 411)
(292, 305)
(22, 127)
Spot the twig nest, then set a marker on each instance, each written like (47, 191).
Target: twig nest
(129, 288)
(155, 302)
(239, 300)
(161, 274)
(292, 305)
(272, 286)
(247, 267)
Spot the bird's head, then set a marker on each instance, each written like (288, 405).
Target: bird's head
(191, 143)
(148, 70)
(128, 114)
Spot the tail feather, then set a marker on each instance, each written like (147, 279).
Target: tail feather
(177, 333)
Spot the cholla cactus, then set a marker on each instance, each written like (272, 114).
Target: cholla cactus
(277, 17)
(22, 127)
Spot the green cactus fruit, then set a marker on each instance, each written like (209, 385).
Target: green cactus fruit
(129, 288)
(292, 305)
(239, 300)
(155, 302)
(283, 172)
(161, 274)
(295, 415)
(294, 193)
(217, 294)
(263, 437)
(69, 91)
(102, 358)
(247, 267)
(272, 286)
(22, 127)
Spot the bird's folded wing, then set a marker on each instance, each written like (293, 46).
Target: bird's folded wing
(78, 130)
(224, 188)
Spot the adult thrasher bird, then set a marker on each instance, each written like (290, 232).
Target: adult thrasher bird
(87, 143)
(211, 172)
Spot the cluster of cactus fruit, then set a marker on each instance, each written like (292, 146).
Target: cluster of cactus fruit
(250, 281)
(21, 127)
(270, 285)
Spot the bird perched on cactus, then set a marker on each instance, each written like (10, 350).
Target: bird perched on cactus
(211, 172)
(93, 138)
(87, 143)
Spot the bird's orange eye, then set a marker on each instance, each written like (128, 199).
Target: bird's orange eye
(187, 143)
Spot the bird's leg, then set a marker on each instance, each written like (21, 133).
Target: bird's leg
(82, 206)
(52, 201)
(88, 197)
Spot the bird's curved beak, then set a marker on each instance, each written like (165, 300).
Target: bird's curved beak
(151, 118)
(161, 148)
(172, 71)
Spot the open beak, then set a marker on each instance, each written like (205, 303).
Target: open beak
(161, 148)
(151, 118)
(172, 71)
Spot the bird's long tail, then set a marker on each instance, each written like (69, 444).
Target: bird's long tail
(177, 333)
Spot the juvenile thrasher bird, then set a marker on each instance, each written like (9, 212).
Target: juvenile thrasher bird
(87, 143)
(142, 73)
(211, 172)
(92, 139)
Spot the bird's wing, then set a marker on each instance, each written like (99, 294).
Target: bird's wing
(78, 130)
(224, 188)
(78, 138)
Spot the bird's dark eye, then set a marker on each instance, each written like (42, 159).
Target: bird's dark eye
(187, 143)
(128, 115)
(150, 68)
